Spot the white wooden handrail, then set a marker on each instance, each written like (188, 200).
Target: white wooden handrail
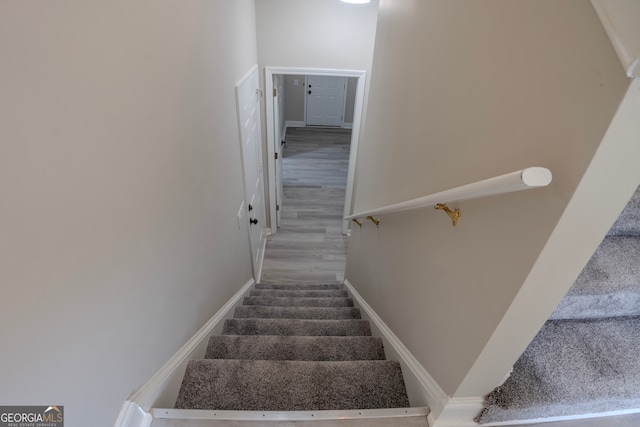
(524, 179)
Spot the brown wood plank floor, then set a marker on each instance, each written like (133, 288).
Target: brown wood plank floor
(309, 246)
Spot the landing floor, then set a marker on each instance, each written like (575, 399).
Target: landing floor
(309, 246)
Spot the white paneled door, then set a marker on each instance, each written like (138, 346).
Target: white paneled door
(248, 105)
(325, 100)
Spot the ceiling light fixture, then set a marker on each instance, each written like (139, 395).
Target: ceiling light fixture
(356, 1)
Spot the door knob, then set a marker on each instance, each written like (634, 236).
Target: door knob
(253, 221)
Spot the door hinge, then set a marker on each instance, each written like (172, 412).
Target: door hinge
(277, 207)
(275, 91)
(276, 156)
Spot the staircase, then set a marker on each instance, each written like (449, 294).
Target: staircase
(295, 348)
(586, 358)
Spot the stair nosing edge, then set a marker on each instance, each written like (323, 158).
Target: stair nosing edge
(206, 414)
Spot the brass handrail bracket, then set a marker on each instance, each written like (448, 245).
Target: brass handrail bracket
(454, 215)
(376, 221)
(357, 221)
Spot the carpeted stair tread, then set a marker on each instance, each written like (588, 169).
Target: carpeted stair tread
(270, 347)
(302, 327)
(274, 312)
(586, 358)
(628, 222)
(299, 293)
(572, 367)
(301, 287)
(609, 285)
(263, 385)
(299, 302)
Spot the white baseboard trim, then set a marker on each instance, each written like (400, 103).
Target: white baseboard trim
(564, 418)
(164, 385)
(132, 415)
(293, 124)
(416, 377)
(261, 261)
(459, 412)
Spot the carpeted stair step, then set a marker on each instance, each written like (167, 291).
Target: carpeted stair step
(609, 285)
(273, 312)
(298, 302)
(265, 385)
(269, 347)
(586, 358)
(299, 293)
(628, 222)
(345, 327)
(301, 287)
(572, 367)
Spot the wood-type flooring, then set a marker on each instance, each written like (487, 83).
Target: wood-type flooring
(309, 246)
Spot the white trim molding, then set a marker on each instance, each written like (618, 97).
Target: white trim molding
(355, 134)
(164, 385)
(459, 412)
(621, 22)
(422, 388)
(132, 415)
(445, 411)
(538, 421)
(263, 249)
(346, 414)
(293, 124)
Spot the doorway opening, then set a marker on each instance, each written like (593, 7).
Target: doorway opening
(275, 130)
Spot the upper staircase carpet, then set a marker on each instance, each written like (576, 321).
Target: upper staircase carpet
(586, 358)
(294, 348)
(609, 285)
(572, 367)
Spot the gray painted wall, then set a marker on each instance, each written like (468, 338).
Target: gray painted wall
(467, 91)
(120, 183)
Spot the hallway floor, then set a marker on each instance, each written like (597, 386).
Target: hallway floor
(309, 246)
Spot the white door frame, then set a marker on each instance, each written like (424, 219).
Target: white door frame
(355, 133)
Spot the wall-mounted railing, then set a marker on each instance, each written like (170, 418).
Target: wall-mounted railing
(524, 179)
